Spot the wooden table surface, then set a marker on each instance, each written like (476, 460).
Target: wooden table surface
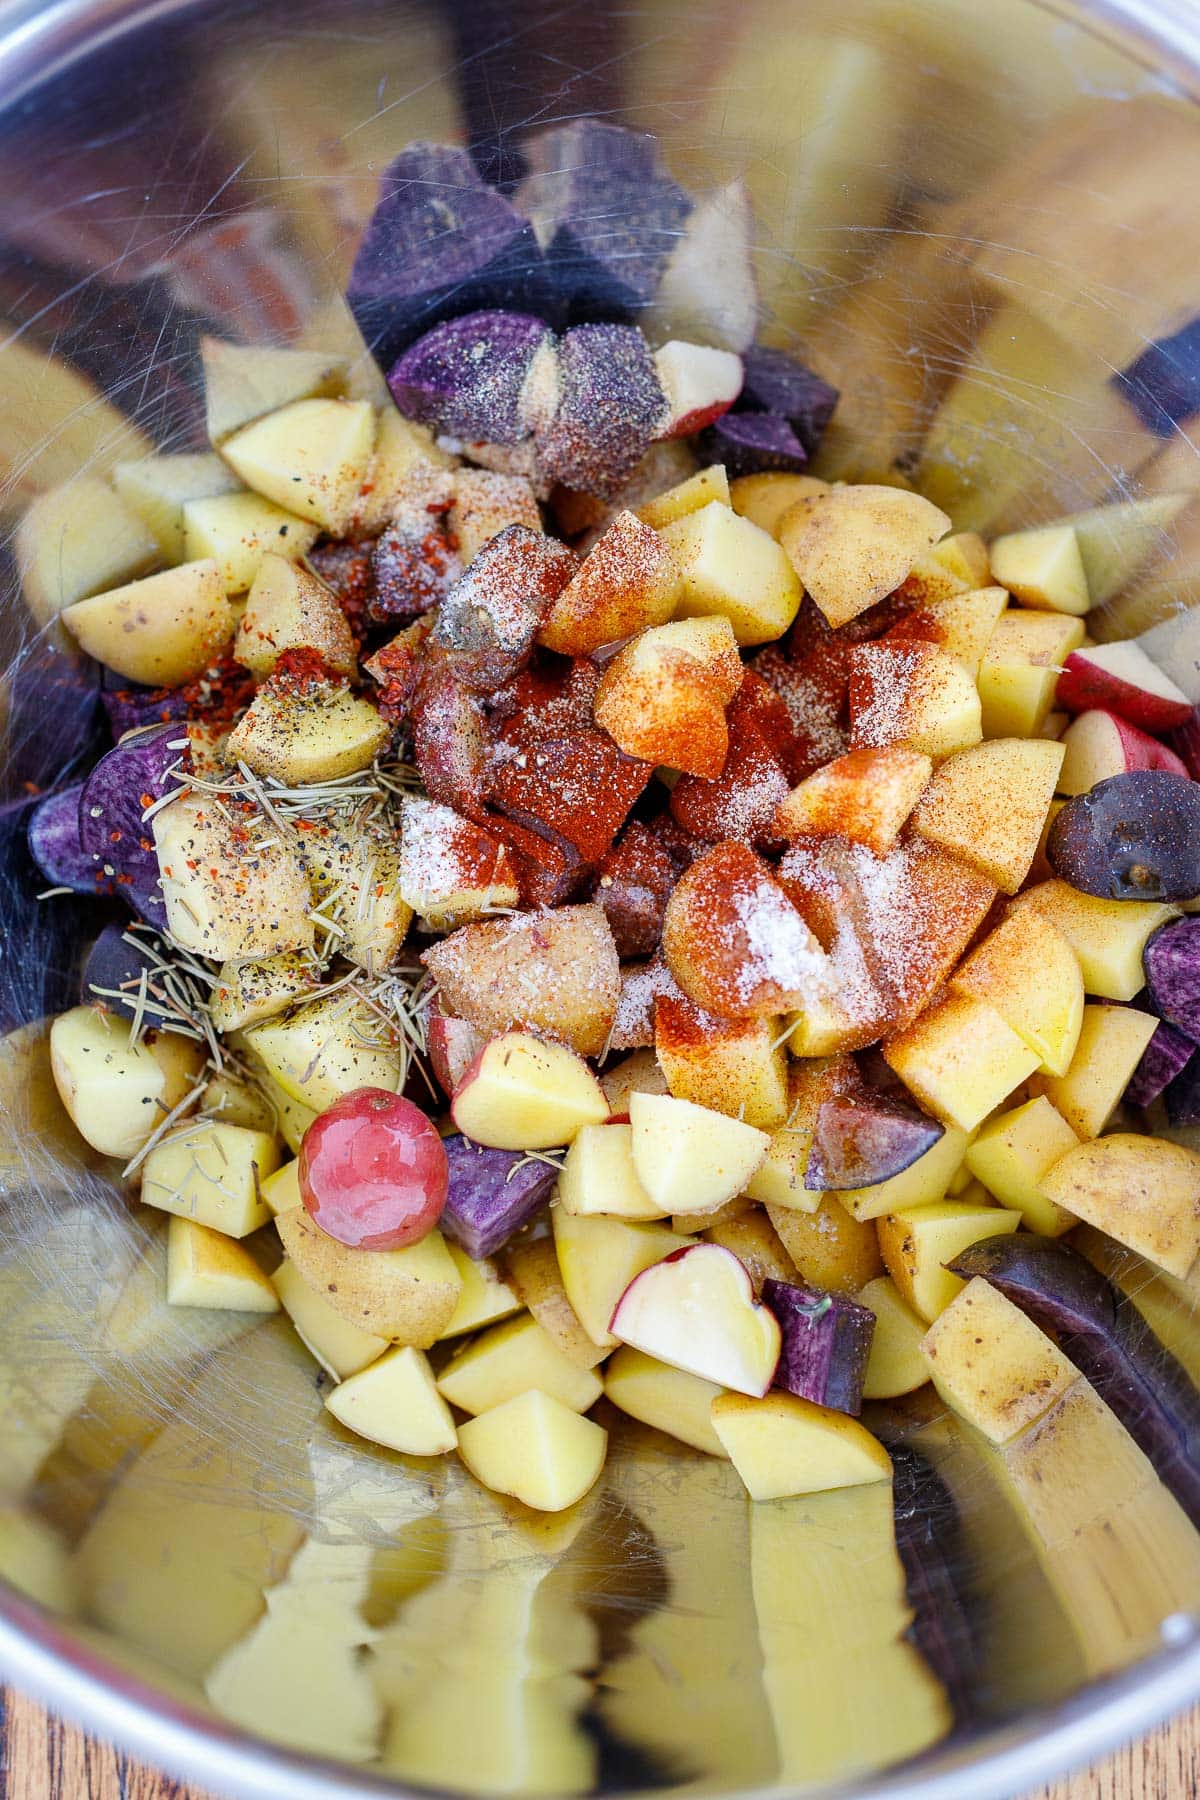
(41, 1759)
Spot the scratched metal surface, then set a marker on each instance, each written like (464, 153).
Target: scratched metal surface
(969, 219)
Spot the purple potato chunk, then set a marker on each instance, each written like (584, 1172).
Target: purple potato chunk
(53, 721)
(112, 831)
(610, 403)
(825, 1343)
(1131, 837)
(1171, 961)
(1182, 1097)
(1166, 1056)
(608, 214)
(468, 376)
(1185, 742)
(493, 1193)
(439, 244)
(864, 1138)
(42, 941)
(1163, 384)
(114, 968)
(130, 706)
(55, 846)
(775, 382)
(1110, 1343)
(751, 443)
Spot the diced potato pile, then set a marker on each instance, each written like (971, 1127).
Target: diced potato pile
(760, 782)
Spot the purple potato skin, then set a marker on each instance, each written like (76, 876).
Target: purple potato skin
(113, 962)
(753, 443)
(440, 244)
(1163, 384)
(862, 1139)
(826, 1340)
(610, 404)
(55, 847)
(776, 383)
(1109, 1341)
(1185, 742)
(614, 216)
(488, 1203)
(42, 941)
(1171, 961)
(465, 376)
(1166, 1056)
(1131, 837)
(112, 831)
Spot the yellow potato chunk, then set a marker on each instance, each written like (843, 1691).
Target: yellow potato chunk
(163, 630)
(317, 734)
(484, 1296)
(992, 1365)
(77, 540)
(323, 1050)
(960, 1059)
(536, 1449)
(508, 1360)
(522, 1094)
(225, 896)
(669, 1399)
(117, 1093)
(311, 457)
(1027, 971)
(242, 382)
(281, 1191)
(289, 609)
(157, 488)
(688, 1157)
(765, 499)
(924, 1181)
(1108, 936)
(395, 1401)
(1020, 669)
(246, 993)
(206, 1268)
(340, 1346)
(1043, 568)
(1011, 1155)
(1111, 1044)
(733, 569)
(918, 1242)
(895, 1365)
(598, 1258)
(599, 1176)
(1143, 1191)
(700, 489)
(783, 1445)
(989, 805)
(212, 1173)
(854, 545)
(407, 1296)
(238, 530)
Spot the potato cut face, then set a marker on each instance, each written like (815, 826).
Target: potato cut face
(238, 530)
(213, 1175)
(77, 540)
(406, 1296)
(510, 1359)
(325, 1049)
(853, 545)
(242, 382)
(992, 1365)
(116, 1092)
(206, 1268)
(536, 1449)
(225, 896)
(163, 630)
(340, 1346)
(669, 1399)
(394, 1401)
(781, 1445)
(1143, 1191)
(316, 734)
(289, 609)
(157, 488)
(311, 457)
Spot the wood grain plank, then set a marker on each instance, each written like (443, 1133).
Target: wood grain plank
(43, 1759)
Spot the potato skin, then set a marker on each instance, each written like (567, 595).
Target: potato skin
(407, 1296)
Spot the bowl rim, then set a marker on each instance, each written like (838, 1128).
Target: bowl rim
(38, 1653)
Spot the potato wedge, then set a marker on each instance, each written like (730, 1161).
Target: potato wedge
(163, 630)
(407, 1296)
(1143, 1191)
(854, 545)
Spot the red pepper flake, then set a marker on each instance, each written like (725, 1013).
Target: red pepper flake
(145, 800)
(298, 670)
(220, 694)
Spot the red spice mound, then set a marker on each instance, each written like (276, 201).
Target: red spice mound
(397, 668)
(742, 800)
(299, 670)
(545, 702)
(346, 569)
(547, 873)
(219, 695)
(576, 789)
(734, 941)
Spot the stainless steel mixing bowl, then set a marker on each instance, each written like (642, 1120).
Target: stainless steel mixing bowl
(974, 219)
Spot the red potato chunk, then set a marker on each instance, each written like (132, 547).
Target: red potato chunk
(450, 743)
(554, 973)
(547, 874)
(414, 563)
(734, 941)
(575, 790)
(634, 882)
(757, 703)
(814, 706)
(396, 668)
